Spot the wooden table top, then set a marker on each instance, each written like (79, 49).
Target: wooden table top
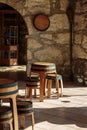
(43, 63)
(43, 67)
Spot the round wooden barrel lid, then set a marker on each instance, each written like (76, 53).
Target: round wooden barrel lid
(53, 76)
(24, 104)
(41, 22)
(5, 110)
(34, 75)
(33, 79)
(8, 87)
(4, 83)
(43, 66)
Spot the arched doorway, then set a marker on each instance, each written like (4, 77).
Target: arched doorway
(13, 43)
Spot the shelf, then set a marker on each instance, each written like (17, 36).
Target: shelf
(8, 37)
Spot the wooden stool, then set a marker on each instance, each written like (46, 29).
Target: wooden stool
(6, 116)
(9, 90)
(32, 82)
(25, 108)
(58, 81)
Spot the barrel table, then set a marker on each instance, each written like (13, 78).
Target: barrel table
(42, 68)
(9, 90)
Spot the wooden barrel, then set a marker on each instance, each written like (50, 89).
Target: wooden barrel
(24, 107)
(34, 77)
(8, 88)
(43, 66)
(33, 81)
(5, 114)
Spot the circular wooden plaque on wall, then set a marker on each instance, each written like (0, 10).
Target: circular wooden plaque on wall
(41, 22)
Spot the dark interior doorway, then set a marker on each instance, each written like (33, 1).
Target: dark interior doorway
(9, 56)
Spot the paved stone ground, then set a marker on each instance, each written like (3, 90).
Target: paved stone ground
(66, 113)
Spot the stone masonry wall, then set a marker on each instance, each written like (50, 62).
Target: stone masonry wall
(80, 43)
(53, 45)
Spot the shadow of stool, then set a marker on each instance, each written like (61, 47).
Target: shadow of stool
(32, 83)
(25, 108)
(57, 81)
(6, 116)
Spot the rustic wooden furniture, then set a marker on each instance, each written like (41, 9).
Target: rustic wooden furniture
(9, 90)
(6, 116)
(8, 37)
(32, 83)
(58, 82)
(42, 68)
(25, 108)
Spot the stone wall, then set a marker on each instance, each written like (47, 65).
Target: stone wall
(53, 45)
(80, 43)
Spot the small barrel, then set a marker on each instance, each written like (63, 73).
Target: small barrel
(34, 77)
(43, 66)
(24, 107)
(33, 81)
(8, 88)
(5, 114)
